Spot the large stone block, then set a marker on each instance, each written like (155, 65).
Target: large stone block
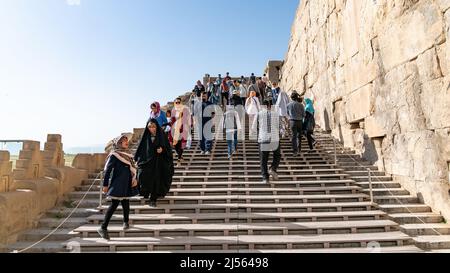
(359, 73)
(31, 145)
(54, 138)
(358, 104)
(435, 102)
(404, 38)
(444, 5)
(351, 27)
(428, 65)
(4, 156)
(374, 126)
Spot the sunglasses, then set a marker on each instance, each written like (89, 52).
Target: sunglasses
(177, 102)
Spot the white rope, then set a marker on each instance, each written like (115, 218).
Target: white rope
(390, 192)
(63, 222)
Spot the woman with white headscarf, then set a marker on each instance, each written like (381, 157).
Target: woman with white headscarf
(252, 107)
(121, 168)
(281, 106)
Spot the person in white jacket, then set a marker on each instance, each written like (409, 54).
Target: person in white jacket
(281, 106)
(252, 107)
(231, 124)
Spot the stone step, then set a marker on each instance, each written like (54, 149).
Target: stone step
(425, 229)
(388, 191)
(405, 208)
(213, 218)
(60, 213)
(265, 199)
(267, 191)
(243, 242)
(53, 223)
(240, 191)
(314, 228)
(237, 161)
(380, 185)
(362, 164)
(254, 166)
(374, 178)
(38, 234)
(360, 169)
(247, 208)
(94, 175)
(180, 178)
(416, 218)
(438, 251)
(232, 184)
(365, 173)
(213, 172)
(44, 247)
(396, 199)
(249, 162)
(433, 242)
(392, 249)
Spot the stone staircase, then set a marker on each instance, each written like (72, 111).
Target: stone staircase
(429, 230)
(221, 205)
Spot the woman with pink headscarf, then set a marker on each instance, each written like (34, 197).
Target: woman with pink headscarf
(158, 114)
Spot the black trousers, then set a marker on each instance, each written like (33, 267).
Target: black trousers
(309, 136)
(296, 127)
(225, 96)
(179, 149)
(151, 197)
(112, 208)
(264, 158)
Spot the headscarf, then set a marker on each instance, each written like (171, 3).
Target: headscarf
(309, 106)
(145, 152)
(121, 154)
(158, 111)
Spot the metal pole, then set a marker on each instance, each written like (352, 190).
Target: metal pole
(370, 185)
(101, 191)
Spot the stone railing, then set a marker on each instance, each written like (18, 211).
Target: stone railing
(37, 184)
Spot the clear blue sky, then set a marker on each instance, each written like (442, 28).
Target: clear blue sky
(90, 71)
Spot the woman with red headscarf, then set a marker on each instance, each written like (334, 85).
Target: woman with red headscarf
(158, 114)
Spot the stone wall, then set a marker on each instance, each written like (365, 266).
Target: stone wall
(273, 71)
(5, 171)
(378, 72)
(38, 184)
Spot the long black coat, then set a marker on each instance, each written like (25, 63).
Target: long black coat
(121, 180)
(155, 171)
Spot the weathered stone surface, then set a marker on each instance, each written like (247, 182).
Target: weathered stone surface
(379, 74)
(375, 127)
(30, 164)
(358, 104)
(5, 171)
(90, 162)
(402, 39)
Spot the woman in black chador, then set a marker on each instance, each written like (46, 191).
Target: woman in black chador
(154, 159)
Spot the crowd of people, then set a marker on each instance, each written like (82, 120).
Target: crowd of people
(221, 108)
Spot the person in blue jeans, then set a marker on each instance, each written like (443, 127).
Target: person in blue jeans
(231, 123)
(206, 115)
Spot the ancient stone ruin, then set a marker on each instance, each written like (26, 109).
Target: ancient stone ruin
(378, 72)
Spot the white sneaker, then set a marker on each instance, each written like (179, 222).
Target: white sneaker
(202, 153)
(207, 153)
(273, 174)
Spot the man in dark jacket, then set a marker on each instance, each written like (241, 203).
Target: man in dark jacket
(207, 114)
(296, 113)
